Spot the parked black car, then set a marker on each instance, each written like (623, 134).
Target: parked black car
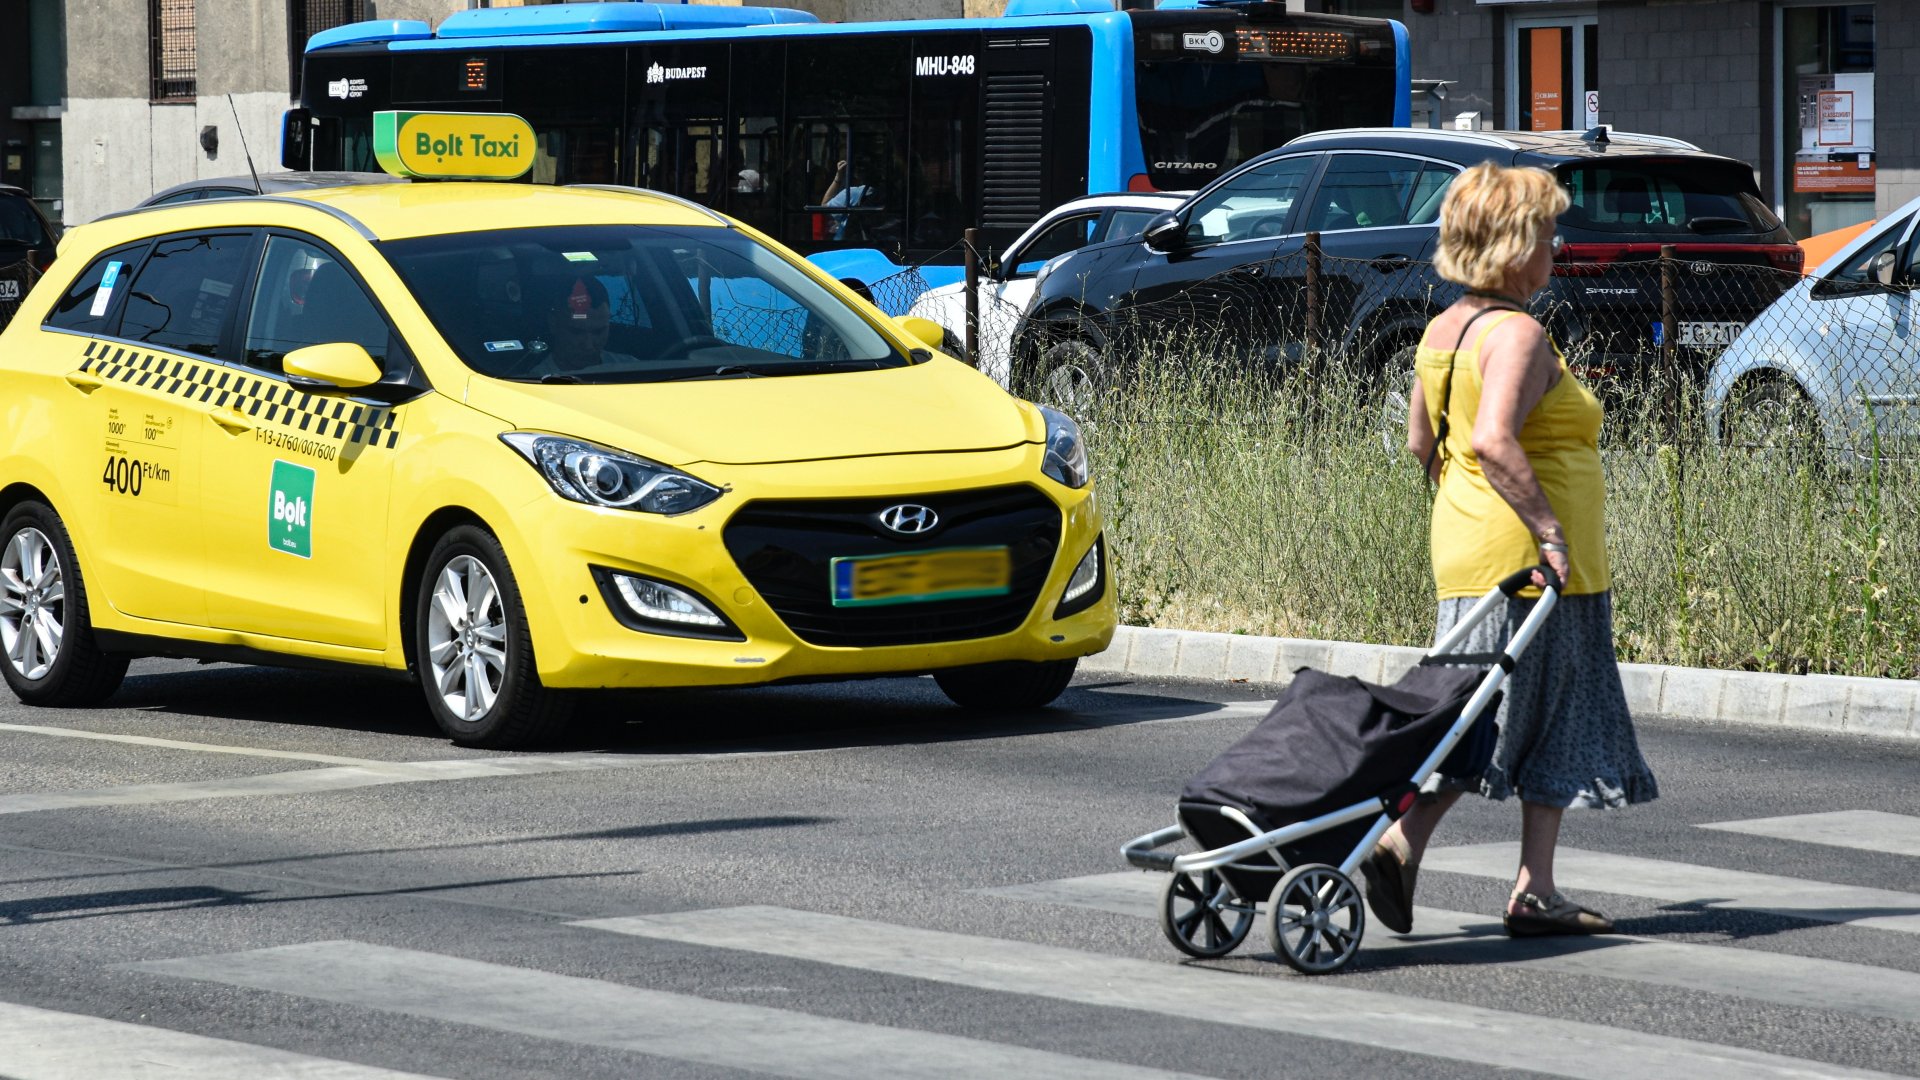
(26, 247)
(268, 183)
(1231, 260)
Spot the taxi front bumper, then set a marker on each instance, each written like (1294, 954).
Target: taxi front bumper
(757, 557)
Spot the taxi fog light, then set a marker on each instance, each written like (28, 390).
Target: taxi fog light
(1066, 459)
(657, 601)
(588, 473)
(1084, 587)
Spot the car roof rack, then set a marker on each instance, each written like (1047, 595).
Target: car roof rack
(1481, 137)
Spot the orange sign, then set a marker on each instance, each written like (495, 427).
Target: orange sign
(1842, 176)
(1546, 79)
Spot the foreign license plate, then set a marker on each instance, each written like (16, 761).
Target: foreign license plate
(1705, 334)
(941, 574)
(9, 289)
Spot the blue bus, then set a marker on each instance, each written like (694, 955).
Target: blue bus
(867, 146)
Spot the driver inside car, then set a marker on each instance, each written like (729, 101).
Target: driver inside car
(578, 320)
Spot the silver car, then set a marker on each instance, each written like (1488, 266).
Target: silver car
(1837, 358)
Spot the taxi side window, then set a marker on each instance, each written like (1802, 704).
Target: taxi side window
(180, 299)
(304, 296)
(87, 305)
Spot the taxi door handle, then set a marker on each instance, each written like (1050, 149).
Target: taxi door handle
(84, 382)
(232, 419)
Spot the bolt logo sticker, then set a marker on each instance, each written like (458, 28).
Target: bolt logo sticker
(290, 509)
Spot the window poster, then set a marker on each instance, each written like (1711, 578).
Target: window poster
(1836, 134)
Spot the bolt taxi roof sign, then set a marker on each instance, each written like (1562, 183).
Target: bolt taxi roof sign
(453, 145)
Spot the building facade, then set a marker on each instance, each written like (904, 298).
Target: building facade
(103, 102)
(1791, 86)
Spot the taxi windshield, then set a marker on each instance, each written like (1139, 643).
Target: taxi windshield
(631, 304)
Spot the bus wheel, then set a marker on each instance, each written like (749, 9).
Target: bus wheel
(473, 651)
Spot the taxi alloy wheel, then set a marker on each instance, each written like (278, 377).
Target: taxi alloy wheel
(472, 650)
(467, 638)
(51, 656)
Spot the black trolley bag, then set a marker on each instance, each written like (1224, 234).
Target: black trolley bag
(1286, 814)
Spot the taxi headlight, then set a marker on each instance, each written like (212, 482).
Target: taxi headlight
(593, 474)
(1066, 459)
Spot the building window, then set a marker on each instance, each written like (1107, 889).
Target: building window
(173, 59)
(306, 18)
(1553, 68)
(1827, 107)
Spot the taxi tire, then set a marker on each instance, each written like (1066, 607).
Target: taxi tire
(525, 713)
(1010, 685)
(81, 674)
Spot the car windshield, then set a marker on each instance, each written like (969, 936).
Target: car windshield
(1690, 197)
(19, 223)
(629, 303)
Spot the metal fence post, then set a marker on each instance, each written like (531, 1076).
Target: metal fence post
(1313, 292)
(970, 256)
(1669, 342)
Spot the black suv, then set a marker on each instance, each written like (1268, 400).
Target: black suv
(1231, 261)
(26, 248)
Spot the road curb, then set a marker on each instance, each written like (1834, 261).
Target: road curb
(1888, 708)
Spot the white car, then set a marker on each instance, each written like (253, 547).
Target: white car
(1007, 283)
(1839, 347)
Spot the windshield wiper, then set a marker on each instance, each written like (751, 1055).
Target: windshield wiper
(1718, 224)
(724, 371)
(554, 380)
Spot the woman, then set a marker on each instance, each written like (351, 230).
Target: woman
(1518, 464)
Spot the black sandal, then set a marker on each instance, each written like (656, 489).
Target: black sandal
(1554, 914)
(1390, 888)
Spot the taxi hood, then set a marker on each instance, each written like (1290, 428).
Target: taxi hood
(934, 406)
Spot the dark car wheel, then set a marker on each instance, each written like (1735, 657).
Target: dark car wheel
(1771, 414)
(472, 649)
(52, 657)
(1070, 375)
(1011, 685)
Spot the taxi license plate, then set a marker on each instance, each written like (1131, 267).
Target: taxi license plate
(942, 574)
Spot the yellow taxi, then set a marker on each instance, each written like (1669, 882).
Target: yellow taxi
(517, 441)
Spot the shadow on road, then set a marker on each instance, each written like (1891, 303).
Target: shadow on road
(807, 716)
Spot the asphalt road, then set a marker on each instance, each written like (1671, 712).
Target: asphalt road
(256, 873)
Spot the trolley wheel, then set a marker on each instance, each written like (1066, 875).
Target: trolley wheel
(1202, 916)
(1316, 919)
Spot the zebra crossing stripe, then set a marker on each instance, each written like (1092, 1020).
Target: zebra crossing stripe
(1862, 830)
(1292, 1006)
(589, 1012)
(41, 1044)
(1710, 887)
(1800, 982)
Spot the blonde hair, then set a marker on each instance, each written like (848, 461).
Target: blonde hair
(1490, 220)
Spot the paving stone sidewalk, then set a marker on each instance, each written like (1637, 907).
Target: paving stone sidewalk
(1881, 707)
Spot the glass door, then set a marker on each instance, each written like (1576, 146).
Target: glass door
(1826, 122)
(1552, 73)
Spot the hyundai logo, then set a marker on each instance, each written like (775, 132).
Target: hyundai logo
(1703, 267)
(909, 519)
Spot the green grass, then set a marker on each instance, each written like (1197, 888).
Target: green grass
(1268, 505)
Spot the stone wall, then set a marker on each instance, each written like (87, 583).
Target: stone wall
(1699, 71)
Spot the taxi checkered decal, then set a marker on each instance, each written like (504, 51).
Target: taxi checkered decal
(256, 396)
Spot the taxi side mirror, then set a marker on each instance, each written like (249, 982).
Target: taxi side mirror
(336, 364)
(926, 331)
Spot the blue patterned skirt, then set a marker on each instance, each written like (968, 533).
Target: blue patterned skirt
(1566, 738)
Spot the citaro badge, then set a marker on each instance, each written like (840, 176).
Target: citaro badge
(453, 146)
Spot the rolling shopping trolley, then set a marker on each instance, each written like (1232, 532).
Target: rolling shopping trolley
(1287, 814)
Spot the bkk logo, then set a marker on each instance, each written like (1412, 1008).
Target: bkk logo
(1212, 41)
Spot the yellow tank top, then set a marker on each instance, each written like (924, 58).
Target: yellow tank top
(1477, 539)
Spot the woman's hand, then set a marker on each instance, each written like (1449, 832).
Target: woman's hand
(1555, 556)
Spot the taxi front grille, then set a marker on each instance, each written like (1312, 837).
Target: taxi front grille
(786, 547)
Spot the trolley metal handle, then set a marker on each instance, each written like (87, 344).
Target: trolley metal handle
(1520, 579)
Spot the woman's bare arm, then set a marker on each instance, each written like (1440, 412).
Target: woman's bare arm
(1420, 433)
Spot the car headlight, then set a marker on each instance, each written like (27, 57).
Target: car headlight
(1066, 459)
(598, 476)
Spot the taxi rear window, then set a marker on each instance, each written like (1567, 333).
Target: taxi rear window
(627, 303)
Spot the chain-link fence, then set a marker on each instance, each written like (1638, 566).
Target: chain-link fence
(1249, 425)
